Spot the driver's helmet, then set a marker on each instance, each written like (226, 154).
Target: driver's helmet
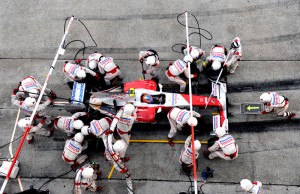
(147, 98)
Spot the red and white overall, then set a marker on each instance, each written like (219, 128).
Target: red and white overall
(70, 71)
(72, 150)
(257, 188)
(225, 148)
(277, 102)
(65, 124)
(99, 129)
(175, 70)
(236, 54)
(82, 183)
(186, 156)
(178, 118)
(110, 69)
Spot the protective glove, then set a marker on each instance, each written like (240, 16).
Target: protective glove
(87, 115)
(77, 61)
(170, 63)
(170, 141)
(195, 75)
(225, 65)
(144, 72)
(188, 58)
(43, 122)
(97, 77)
(15, 91)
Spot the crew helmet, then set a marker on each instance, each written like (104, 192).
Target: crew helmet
(85, 130)
(150, 60)
(87, 172)
(23, 123)
(216, 65)
(197, 145)
(92, 64)
(78, 124)
(195, 53)
(34, 93)
(120, 147)
(220, 132)
(235, 43)
(30, 102)
(79, 137)
(246, 184)
(81, 74)
(265, 98)
(128, 109)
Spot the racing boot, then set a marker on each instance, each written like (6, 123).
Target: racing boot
(125, 159)
(291, 116)
(170, 141)
(30, 141)
(206, 155)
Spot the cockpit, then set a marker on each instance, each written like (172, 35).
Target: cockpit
(153, 99)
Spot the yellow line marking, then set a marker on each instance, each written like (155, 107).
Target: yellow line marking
(214, 113)
(159, 141)
(111, 171)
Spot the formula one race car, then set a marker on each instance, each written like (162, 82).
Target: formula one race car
(149, 102)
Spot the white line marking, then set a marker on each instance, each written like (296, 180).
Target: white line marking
(20, 183)
(13, 135)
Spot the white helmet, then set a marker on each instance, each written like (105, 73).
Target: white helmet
(85, 130)
(197, 145)
(192, 121)
(265, 97)
(30, 102)
(128, 109)
(88, 172)
(220, 132)
(216, 65)
(92, 64)
(67, 66)
(120, 147)
(24, 122)
(34, 93)
(78, 124)
(79, 137)
(81, 74)
(246, 184)
(195, 53)
(150, 60)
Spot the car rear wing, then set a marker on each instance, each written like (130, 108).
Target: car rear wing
(219, 90)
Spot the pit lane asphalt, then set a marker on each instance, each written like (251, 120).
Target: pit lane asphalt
(269, 32)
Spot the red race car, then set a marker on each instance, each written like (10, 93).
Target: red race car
(143, 95)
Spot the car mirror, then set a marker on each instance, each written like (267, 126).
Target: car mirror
(158, 110)
(160, 87)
